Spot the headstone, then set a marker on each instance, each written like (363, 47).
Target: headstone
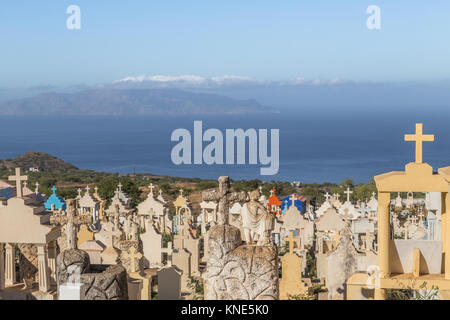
(181, 258)
(152, 243)
(94, 249)
(169, 283)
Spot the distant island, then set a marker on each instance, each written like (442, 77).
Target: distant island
(108, 101)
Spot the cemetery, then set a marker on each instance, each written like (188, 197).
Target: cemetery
(226, 242)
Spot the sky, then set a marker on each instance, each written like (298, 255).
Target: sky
(270, 40)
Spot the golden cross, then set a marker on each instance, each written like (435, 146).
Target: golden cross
(290, 240)
(419, 138)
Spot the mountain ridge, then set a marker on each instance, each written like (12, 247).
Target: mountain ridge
(110, 101)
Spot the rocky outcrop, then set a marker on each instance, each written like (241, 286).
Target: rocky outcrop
(239, 272)
(105, 283)
(100, 282)
(28, 263)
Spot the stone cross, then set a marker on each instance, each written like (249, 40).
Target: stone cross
(71, 234)
(133, 254)
(420, 215)
(272, 192)
(291, 241)
(368, 238)
(79, 192)
(405, 231)
(260, 189)
(18, 178)
(419, 138)
(120, 187)
(225, 198)
(373, 195)
(169, 251)
(394, 216)
(327, 196)
(87, 189)
(37, 188)
(116, 217)
(348, 193)
(71, 221)
(151, 187)
(181, 192)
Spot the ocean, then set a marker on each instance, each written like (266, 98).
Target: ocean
(314, 146)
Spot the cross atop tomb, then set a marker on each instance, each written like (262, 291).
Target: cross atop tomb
(151, 187)
(88, 189)
(169, 251)
(291, 241)
(327, 196)
(18, 178)
(419, 138)
(120, 187)
(181, 192)
(54, 189)
(272, 192)
(348, 193)
(293, 199)
(421, 215)
(373, 195)
(37, 188)
(79, 192)
(368, 239)
(133, 254)
(224, 197)
(394, 216)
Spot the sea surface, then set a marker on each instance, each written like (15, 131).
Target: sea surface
(314, 146)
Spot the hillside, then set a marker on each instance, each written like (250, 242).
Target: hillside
(44, 161)
(106, 101)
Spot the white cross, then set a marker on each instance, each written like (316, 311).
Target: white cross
(120, 187)
(87, 189)
(327, 196)
(373, 195)
(37, 188)
(348, 193)
(79, 192)
(18, 178)
(151, 186)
